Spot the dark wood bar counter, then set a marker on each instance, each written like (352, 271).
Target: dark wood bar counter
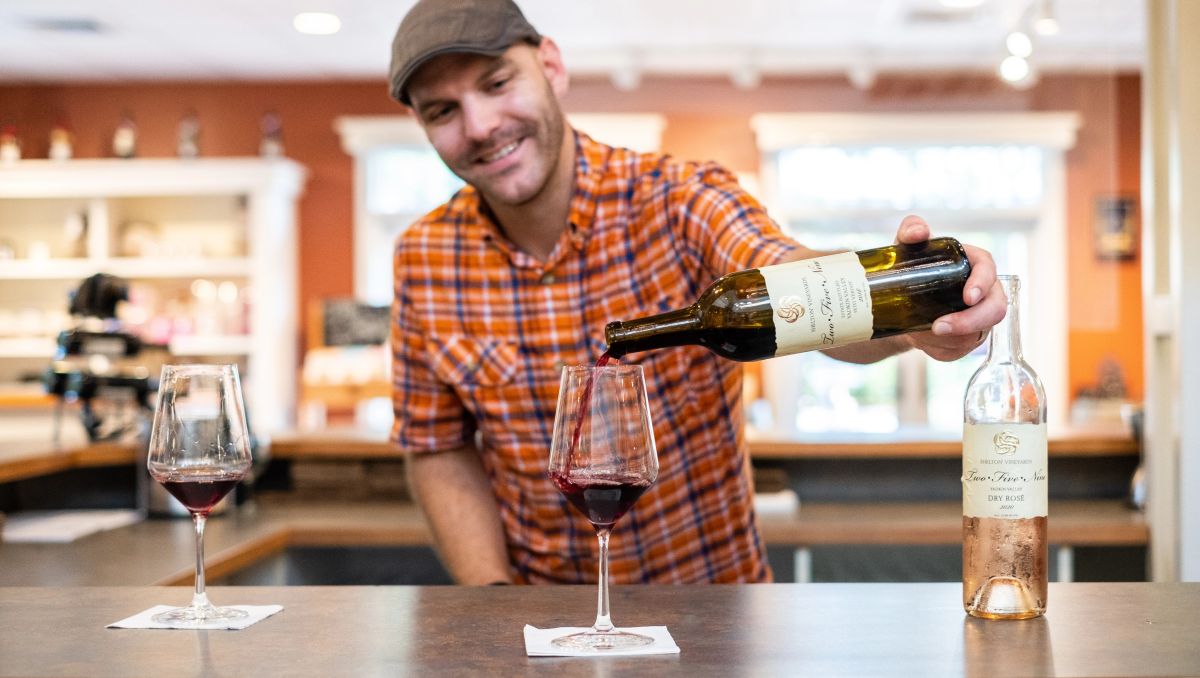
(756, 630)
(26, 459)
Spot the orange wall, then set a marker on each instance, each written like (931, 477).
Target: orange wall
(707, 119)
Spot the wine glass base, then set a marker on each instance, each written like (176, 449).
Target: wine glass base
(601, 641)
(193, 617)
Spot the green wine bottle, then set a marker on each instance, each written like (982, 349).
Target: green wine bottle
(810, 304)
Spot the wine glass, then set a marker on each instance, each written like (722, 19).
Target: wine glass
(199, 450)
(602, 458)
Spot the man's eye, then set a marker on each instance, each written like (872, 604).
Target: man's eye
(497, 84)
(437, 113)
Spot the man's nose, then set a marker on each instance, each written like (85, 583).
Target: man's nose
(480, 120)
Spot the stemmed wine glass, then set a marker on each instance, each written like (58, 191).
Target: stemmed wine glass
(199, 450)
(602, 458)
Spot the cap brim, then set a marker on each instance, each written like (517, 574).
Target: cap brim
(400, 82)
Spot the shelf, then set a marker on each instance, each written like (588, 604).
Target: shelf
(47, 269)
(212, 345)
(1091, 522)
(125, 267)
(28, 347)
(1106, 442)
(226, 220)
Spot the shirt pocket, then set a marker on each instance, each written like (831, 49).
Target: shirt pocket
(469, 362)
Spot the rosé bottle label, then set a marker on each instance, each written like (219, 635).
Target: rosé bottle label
(1004, 470)
(819, 303)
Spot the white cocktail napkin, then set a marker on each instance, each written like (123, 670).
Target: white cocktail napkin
(61, 527)
(141, 620)
(537, 642)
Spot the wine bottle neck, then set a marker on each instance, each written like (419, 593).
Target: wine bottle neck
(673, 328)
(1005, 345)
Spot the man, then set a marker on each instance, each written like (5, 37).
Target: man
(516, 276)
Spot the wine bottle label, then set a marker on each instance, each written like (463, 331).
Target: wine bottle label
(1004, 470)
(819, 303)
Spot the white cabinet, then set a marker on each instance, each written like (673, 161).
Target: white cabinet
(207, 245)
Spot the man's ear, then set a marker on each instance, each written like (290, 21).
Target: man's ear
(552, 65)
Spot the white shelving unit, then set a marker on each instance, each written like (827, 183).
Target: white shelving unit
(162, 225)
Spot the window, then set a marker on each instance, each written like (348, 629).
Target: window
(837, 182)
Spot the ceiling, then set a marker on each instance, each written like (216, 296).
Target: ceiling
(121, 40)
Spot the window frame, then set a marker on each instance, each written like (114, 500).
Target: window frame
(1053, 131)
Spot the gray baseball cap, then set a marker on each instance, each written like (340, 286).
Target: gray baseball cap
(435, 27)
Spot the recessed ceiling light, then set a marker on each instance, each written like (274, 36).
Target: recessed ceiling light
(1019, 44)
(1047, 25)
(1014, 69)
(317, 23)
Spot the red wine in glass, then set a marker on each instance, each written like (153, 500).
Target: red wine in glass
(585, 403)
(199, 489)
(603, 473)
(199, 450)
(602, 500)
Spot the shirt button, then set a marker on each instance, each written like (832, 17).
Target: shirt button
(548, 279)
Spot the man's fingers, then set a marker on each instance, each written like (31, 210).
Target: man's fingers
(983, 274)
(978, 318)
(913, 229)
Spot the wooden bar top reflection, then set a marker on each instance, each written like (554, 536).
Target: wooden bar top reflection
(722, 630)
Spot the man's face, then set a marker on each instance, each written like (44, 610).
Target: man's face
(495, 121)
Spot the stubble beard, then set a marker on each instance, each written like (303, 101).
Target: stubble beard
(548, 151)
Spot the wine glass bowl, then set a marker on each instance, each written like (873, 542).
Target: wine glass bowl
(602, 459)
(199, 451)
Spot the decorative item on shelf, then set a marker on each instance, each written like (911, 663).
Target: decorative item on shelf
(188, 145)
(1116, 227)
(271, 145)
(75, 233)
(38, 250)
(1105, 401)
(61, 141)
(347, 364)
(140, 239)
(124, 142)
(10, 144)
(8, 251)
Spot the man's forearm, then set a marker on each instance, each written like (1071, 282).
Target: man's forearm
(865, 352)
(453, 490)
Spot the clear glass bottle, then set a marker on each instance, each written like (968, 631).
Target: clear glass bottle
(1005, 479)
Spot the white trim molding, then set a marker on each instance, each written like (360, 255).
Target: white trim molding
(1051, 129)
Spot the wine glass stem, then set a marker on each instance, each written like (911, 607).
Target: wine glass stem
(603, 621)
(199, 598)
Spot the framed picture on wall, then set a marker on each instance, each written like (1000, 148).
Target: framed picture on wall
(1116, 227)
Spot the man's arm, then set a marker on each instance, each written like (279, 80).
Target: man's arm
(453, 490)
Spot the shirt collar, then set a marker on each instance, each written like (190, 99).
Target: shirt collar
(590, 159)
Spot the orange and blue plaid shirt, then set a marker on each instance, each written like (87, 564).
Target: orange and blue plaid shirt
(482, 329)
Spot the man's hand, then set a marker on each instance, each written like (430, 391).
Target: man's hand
(956, 334)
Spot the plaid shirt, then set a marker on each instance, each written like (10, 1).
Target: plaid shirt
(481, 331)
